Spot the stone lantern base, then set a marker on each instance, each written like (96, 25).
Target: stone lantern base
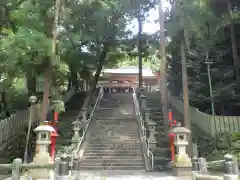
(40, 158)
(182, 166)
(182, 171)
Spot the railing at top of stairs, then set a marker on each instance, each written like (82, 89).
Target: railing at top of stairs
(144, 139)
(85, 129)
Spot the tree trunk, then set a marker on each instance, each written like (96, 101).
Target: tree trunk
(72, 79)
(140, 77)
(187, 123)
(94, 81)
(48, 72)
(46, 94)
(31, 84)
(162, 82)
(234, 44)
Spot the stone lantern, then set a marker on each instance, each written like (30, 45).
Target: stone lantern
(182, 164)
(43, 138)
(151, 125)
(147, 114)
(76, 128)
(84, 113)
(143, 101)
(42, 152)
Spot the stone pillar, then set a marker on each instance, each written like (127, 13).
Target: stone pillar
(143, 102)
(182, 164)
(202, 166)
(152, 140)
(110, 88)
(63, 168)
(195, 164)
(147, 113)
(42, 155)
(84, 112)
(231, 168)
(76, 136)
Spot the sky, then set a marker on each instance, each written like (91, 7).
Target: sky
(149, 26)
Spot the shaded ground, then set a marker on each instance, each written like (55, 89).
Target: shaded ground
(65, 127)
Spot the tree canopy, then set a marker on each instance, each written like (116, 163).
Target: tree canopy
(90, 35)
(212, 36)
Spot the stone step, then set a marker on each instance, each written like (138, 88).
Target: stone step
(117, 130)
(110, 163)
(99, 167)
(114, 133)
(162, 159)
(113, 157)
(156, 113)
(113, 141)
(115, 113)
(94, 149)
(109, 125)
(113, 144)
(112, 136)
(115, 154)
(121, 150)
(157, 118)
(116, 126)
(162, 151)
(116, 119)
(119, 126)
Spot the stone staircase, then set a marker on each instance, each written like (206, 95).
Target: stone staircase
(113, 142)
(162, 156)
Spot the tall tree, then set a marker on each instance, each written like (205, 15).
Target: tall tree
(163, 66)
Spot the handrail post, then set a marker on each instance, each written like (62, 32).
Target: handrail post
(148, 153)
(231, 168)
(64, 168)
(16, 169)
(202, 166)
(57, 163)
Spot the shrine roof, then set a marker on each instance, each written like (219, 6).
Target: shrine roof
(147, 72)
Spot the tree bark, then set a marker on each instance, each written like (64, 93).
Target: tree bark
(94, 81)
(163, 82)
(234, 44)
(31, 84)
(48, 71)
(140, 77)
(187, 123)
(72, 79)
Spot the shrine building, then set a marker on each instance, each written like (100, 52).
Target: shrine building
(125, 78)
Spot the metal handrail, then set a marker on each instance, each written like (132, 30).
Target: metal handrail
(139, 117)
(100, 95)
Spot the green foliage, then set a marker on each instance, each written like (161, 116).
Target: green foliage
(208, 39)
(16, 95)
(83, 30)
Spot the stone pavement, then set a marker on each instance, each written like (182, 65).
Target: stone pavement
(119, 175)
(124, 175)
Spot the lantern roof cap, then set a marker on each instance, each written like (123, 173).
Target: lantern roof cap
(151, 123)
(44, 128)
(143, 96)
(178, 130)
(76, 122)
